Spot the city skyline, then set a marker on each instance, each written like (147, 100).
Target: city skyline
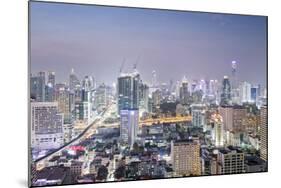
(154, 39)
(162, 94)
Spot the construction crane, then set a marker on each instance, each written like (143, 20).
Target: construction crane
(122, 65)
(136, 64)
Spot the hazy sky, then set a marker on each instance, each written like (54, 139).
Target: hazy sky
(94, 40)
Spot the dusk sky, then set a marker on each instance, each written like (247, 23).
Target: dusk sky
(94, 40)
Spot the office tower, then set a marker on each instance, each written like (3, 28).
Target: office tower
(263, 133)
(234, 83)
(184, 93)
(49, 93)
(185, 155)
(128, 91)
(74, 82)
(82, 111)
(225, 92)
(198, 115)
(245, 92)
(62, 96)
(156, 98)
(50, 87)
(255, 94)
(88, 83)
(218, 131)
(143, 96)
(212, 87)
(227, 116)
(203, 86)
(239, 114)
(230, 160)
(129, 126)
(233, 117)
(34, 81)
(46, 126)
(51, 78)
(194, 86)
(37, 87)
(100, 101)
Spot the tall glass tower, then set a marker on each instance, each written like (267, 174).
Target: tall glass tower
(128, 91)
(226, 92)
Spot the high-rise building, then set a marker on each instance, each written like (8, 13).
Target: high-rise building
(49, 93)
(184, 92)
(37, 87)
(230, 160)
(128, 91)
(239, 114)
(51, 78)
(83, 111)
(129, 126)
(218, 131)
(74, 82)
(62, 96)
(234, 83)
(198, 115)
(156, 98)
(226, 92)
(143, 96)
(233, 117)
(263, 133)
(100, 101)
(255, 93)
(185, 155)
(245, 92)
(34, 81)
(227, 116)
(50, 87)
(46, 126)
(88, 83)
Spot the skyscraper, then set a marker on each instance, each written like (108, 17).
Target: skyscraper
(245, 92)
(51, 78)
(233, 117)
(88, 83)
(263, 133)
(234, 83)
(218, 131)
(185, 155)
(62, 96)
(156, 98)
(226, 92)
(128, 91)
(50, 87)
(34, 81)
(74, 82)
(100, 101)
(82, 111)
(143, 96)
(227, 116)
(129, 126)
(46, 126)
(184, 93)
(198, 115)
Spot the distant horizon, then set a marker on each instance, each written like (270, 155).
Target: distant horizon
(95, 40)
